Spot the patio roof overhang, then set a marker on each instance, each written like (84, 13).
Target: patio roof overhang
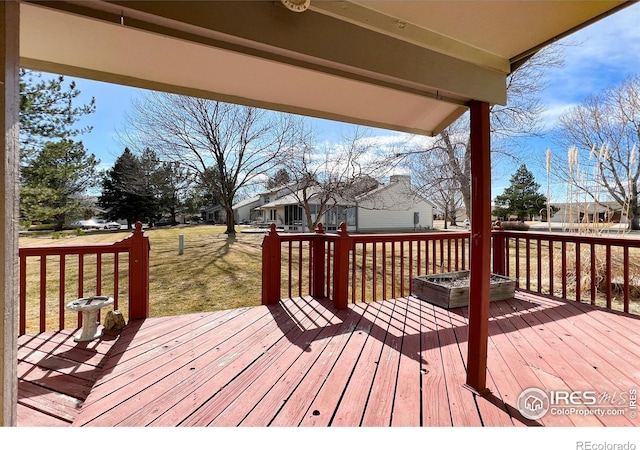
(404, 65)
(413, 66)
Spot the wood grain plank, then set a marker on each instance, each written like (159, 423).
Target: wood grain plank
(38, 398)
(194, 394)
(464, 411)
(312, 344)
(435, 397)
(28, 417)
(299, 403)
(407, 407)
(131, 390)
(356, 393)
(229, 404)
(322, 409)
(379, 407)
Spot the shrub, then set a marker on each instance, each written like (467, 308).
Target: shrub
(515, 226)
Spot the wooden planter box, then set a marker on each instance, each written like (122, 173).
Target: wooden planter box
(451, 289)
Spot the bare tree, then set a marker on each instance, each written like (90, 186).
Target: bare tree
(327, 176)
(603, 134)
(438, 181)
(238, 144)
(520, 117)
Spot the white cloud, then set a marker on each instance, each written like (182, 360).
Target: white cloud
(596, 58)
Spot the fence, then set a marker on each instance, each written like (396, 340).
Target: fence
(344, 267)
(51, 276)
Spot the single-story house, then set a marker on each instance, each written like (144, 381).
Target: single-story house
(214, 214)
(589, 212)
(392, 206)
(245, 211)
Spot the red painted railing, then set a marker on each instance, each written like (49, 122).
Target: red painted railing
(119, 270)
(601, 270)
(354, 268)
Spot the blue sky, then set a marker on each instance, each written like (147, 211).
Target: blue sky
(602, 55)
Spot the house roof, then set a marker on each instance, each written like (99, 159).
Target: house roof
(289, 199)
(385, 186)
(405, 65)
(590, 207)
(247, 202)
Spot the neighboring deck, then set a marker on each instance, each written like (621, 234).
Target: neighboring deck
(301, 363)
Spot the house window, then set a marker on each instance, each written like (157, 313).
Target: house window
(272, 215)
(292, 215)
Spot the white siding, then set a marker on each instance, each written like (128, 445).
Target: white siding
(393, 208)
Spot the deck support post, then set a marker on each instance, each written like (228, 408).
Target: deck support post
(138, 274)
(341, 268)
(480, 247)
(271, 266)
(318, 263)
(499, 250)
(9, 157)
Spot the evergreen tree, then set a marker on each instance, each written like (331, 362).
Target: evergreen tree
(126, 192)
(521, 198)
(173, 182)
(281, 178)
(48, 111)
(53, 181)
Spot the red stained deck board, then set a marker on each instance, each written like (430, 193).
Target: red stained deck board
(298, 404)
(129, 398)
(311, 344)
(554, 366)
(602, 351)
(407, 405)
(29, 417)
(493, 411)
(146, 339)
(464, 411)
(232, 403)
(75, 353)
(525, 357)
(55, 381)
(378, 412)
(214, 372)
(325, 403)
(166, 346)
(176, 399)
(354, 400)
(52, 403)
(585, 360)
(59, 364)
(435, 398)
(263, 397)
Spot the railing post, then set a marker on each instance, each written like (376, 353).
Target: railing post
(341, 268)
(271, 267)
(318, 252)
(138, 274)
(499, 254)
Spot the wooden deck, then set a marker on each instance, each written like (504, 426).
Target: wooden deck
(301, 363)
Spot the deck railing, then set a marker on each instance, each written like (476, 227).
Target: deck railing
(354, 268)
(601, 270)
(62, 274)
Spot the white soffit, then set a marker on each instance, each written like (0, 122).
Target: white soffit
(409, 66)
